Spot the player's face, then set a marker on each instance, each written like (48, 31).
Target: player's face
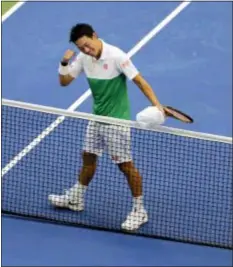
(88, 46)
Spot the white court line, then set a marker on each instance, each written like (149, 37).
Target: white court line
(12, 10)
(81, 99)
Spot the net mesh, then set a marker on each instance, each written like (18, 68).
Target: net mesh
(187, 181)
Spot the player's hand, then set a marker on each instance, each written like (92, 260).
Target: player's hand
(68, 55)
(161, 108)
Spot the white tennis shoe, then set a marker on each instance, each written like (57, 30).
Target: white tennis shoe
(134, 220)
(64, 201)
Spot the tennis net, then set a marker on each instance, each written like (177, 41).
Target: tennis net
(187, 176)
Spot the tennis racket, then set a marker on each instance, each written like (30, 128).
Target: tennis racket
(177, 114)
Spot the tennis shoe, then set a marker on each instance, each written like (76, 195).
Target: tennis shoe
(64, 201)
(134, 220)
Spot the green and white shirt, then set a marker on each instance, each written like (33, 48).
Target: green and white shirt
(107, 78)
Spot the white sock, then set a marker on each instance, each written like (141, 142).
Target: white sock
(77, 192)
(138, 203)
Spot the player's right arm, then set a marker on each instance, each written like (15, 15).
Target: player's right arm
(69, 71)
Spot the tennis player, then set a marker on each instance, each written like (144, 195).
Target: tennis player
(107, 69)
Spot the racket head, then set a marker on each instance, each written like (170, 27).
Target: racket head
(177, 114)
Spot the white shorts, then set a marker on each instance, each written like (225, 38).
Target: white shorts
(113, 138)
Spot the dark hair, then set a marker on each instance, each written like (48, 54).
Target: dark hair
(80, 30)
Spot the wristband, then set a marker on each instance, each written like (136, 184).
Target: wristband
(64, 63)
(63, 70)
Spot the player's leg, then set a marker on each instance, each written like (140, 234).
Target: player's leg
(74, 197)
(138, 215)
(88, 168)
(87, 172)
(119, 147)
(135, 182)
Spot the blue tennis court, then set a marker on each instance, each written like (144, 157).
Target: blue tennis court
(188, 63)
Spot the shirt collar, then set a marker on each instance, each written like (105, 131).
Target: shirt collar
(104, 51)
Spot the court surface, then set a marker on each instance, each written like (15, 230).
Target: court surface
(189, 66)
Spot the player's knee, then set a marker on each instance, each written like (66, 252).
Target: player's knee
(126, 166)
(89, 159)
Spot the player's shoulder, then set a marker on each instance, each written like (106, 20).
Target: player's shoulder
(114, 51)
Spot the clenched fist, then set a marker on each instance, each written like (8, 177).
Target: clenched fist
(68, 55)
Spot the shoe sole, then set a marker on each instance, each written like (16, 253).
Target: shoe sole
(68, 206)
(145, 220)
(75, 209)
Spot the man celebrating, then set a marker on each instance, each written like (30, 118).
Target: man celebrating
(107, 68)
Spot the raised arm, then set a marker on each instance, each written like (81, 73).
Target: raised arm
(69, 71)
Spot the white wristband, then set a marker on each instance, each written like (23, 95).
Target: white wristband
(63, 70)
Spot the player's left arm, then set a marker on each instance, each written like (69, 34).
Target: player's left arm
(131, 72)
(147, 90)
